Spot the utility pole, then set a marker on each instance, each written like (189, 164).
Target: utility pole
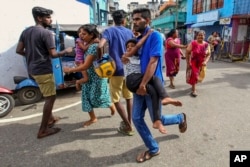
(94, 10)
(176, 13)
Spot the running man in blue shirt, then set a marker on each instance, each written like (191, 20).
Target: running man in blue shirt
(150, 59)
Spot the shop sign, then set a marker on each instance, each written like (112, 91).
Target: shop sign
(209, 16)
(225, 21)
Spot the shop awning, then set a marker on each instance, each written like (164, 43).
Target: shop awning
(207, 23)
(87, 2)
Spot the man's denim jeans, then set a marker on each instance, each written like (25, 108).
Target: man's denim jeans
(140, 104)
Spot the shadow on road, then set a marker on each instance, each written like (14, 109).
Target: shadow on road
(239, 80)
(29, 151)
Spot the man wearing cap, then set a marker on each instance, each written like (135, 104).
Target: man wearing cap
(116, 37)
(37, 45)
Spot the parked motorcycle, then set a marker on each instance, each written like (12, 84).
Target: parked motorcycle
(7, 101)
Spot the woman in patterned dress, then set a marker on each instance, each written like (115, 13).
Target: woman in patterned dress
(173, 55)
(95, 90)
(197, 55)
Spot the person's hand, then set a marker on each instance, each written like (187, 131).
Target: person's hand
(97, 40)
(184, 46)
(204, 63)
(183, 57)
(150, 31)
(66, 69)
(80, 44)
(136, 34)
(124, 59)
(69, 49)
(141, 90)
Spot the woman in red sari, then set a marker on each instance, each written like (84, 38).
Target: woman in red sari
(197, 55)
(172, 55)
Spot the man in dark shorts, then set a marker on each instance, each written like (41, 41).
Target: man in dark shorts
(37, 45)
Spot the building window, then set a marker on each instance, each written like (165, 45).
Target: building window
(208, 4)
(200, 6)
(220, 3)
(194, 7)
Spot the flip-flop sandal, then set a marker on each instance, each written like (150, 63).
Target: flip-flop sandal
(122, 124)
(193, 94)
(123, 131)
(183, 125)
(52, 123)
(171, 86)
(50, 131)
(146, 155)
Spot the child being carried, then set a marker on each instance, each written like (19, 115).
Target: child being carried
(154, 87)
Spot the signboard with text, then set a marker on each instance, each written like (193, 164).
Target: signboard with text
(225, 21)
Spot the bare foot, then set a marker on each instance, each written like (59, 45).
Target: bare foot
(158, 125)
(169, 100)
(89, 122)
(48, 132)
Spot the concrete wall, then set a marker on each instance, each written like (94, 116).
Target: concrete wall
(16, 16)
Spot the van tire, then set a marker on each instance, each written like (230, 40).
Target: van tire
(29, 95)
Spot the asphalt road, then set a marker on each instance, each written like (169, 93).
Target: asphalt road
(218, 121)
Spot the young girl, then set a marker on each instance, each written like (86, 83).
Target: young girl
(95, 92)
(154, 87)
(80, 49)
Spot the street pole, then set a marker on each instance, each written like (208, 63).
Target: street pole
(176, 13)
(94, 10)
